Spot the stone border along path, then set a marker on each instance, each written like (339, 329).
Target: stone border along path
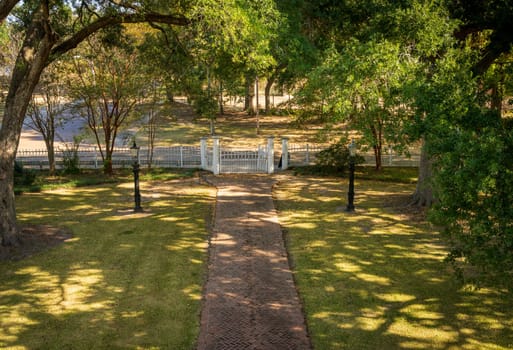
(250, 300)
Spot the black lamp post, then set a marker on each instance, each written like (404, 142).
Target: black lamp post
(134, 152)
(350, 193)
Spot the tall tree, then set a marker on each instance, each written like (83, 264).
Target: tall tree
(47, 37)
(361, 87)
(489, 16)
(471, 145)
(487, 25)
(230, 45)
(46, 109)
(108, 85)
(153, 99)
(293, 53)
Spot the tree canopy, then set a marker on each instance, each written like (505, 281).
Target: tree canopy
(394, 72)
(51, 29)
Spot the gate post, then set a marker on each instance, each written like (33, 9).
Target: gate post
(284, 153)
(203, 153)
(270, 155)
(216, 166)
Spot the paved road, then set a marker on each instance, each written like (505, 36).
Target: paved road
(31, 139)
(250, 301)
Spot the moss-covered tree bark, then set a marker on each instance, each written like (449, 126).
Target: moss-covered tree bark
(29, 65)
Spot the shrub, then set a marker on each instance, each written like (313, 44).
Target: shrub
(70, 160)
(22, 176)
(474, 179)
(336, 158)
(205, 106)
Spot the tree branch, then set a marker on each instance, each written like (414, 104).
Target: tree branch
(5, 8)
(107, 21)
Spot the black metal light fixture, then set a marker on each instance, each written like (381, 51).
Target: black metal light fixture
(134, 152)
(350, 193)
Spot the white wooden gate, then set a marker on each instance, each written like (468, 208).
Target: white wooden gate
(224, 160)
(235, 161)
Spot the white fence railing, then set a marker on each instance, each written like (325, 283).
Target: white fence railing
(306, 154)
(210, 157)
(90, 157)
(303, 154)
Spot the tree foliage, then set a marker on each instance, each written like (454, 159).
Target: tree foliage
(491, 17)
(448, 93)
(391, 71)
(360, 86)
(474, 182)
(471, 145)
(107, 83)
(362, 82)
(48, 34)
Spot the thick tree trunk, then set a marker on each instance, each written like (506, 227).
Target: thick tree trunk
(27, 71)
(8, 225)
(248, 98)
(377, 157)
(220, 98)
(423, 195)
(37, 51)
(51, 155)
(378, 145)
(256, 107)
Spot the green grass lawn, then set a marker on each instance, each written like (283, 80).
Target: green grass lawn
(236, 129)
(124, 280)
(375, 279)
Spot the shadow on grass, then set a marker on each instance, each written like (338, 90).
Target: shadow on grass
(122, 281)
(376, 280)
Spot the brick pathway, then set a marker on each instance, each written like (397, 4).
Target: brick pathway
(250, 301)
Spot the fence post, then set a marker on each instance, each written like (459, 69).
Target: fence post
(270, 155)
(203, 152)
(216, 166)
(390, 155)
(181, 156)
(284, 153)
(307, 158)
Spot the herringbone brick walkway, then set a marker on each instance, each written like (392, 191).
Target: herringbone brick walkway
(250, 301)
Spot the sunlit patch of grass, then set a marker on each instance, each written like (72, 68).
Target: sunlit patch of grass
(376, 278)
(124, 280)
(236, 129)
(91, 178)
(164, 174)
(406, 175)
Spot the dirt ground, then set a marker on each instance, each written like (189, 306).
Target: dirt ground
(35, 239)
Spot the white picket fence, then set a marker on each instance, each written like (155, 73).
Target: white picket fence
(90, 157)
(303, 154)
(210, 155)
